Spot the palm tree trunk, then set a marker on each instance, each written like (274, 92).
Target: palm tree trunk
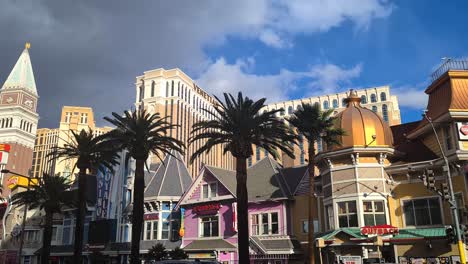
(311, 169)
(137, 215)
(47, 237)
(242, 212)
(80, 217)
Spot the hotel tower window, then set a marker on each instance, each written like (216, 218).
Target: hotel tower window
(374, 213)
(325, 105)
(422, 212)
(264, 224)
(383, 96)
(290, 110)
(385, 112)
(373, 98)
(363, 99)
(335, 103)
(209, 226)
(347, 214)
(374, 109)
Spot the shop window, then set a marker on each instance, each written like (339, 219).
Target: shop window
(264, 224)
(374, 213)
(329, 217)
(347, 214)
(373, 98)
(209, 226)
(448, 138)
(460, 206)
(209, 190)
(422, 212)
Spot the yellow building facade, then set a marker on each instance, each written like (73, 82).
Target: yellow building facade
(72, 118)
(371, 200)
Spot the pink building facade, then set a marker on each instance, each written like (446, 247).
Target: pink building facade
(209, 222)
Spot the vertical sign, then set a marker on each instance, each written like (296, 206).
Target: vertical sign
(103, 191)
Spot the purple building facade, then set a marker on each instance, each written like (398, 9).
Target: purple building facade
(209, 209)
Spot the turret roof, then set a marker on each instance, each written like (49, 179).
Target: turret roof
(22, 75)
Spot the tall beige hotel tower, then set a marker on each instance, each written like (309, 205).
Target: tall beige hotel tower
(172, 93)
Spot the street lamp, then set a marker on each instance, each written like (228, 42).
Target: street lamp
(23, 225)
(452, 201)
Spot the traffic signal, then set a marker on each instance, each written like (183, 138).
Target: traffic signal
(445, 191)
(423, 179)
(431, 180)
(450, 232)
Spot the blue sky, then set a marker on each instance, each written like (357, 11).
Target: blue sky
(88, 53)
(400, 49)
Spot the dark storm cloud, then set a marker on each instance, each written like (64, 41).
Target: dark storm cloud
(88, 53)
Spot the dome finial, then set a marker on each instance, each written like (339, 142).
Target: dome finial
(353, 97)
(27, 45)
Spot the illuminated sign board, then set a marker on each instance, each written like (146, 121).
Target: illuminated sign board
(462, 128)
(379, 230)
(206, 208)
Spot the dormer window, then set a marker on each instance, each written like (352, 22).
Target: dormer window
(209, 190)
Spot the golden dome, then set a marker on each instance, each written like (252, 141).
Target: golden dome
(363, 127)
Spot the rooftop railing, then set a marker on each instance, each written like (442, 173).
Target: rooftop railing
(450, 64)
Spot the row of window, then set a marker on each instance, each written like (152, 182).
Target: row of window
(83, 117)
(417, 212)
(6, 122)
(26, 126)
(326, 104)
(384, 111)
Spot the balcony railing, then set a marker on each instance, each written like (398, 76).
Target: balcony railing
(450, 64)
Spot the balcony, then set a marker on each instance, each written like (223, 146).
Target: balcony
(449, 64)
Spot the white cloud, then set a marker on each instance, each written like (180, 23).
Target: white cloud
(327, 78)
(411, 97)
(221, 76)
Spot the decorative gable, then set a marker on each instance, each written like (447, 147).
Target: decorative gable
(207, 182)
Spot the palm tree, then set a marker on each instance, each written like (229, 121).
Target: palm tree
(47, 195)
(237, 125)
(142, 133)
(314, 124)
(91, 153)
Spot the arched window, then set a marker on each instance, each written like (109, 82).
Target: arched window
(385, 112)
(3, 122)
(178, 88)
(290, 110)
(383, 96)
(142, 92)
(325, 105)
(152, 88)
(335, 103)
(363, 99)
(316, 104)
(299, 107)
(374, 108)
(167, 89)
(257, 153)
(343, 102)
(373, 98)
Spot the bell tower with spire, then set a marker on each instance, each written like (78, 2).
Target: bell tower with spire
(18, 114)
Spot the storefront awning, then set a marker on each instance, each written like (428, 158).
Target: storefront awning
(209, 244)
(403, 234)
(275, 245)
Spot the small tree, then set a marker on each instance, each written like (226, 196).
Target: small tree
(157, 252)
(178, 253)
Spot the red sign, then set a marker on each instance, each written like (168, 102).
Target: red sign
(464, 130)
(206, 208)
(153, 216)
(379, 230)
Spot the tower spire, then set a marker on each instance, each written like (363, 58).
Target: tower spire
(22, 75)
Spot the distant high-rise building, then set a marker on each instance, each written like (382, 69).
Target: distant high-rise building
(172, 93)
(18, 116)
(73, 118)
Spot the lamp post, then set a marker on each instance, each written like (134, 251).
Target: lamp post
(23, 224)
(452, 201)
